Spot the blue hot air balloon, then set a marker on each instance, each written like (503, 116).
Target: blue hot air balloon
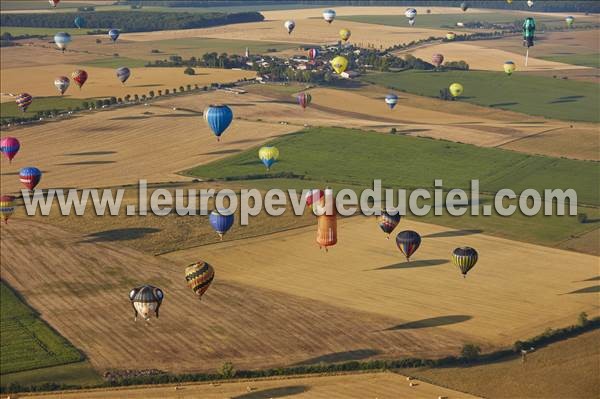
(79, 22)
(113, 34)
(218, 118)
(123, 74)
(391, 100)
(62, 40)
(221, 221)
(30, 177)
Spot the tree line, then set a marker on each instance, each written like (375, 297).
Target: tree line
(130, 21)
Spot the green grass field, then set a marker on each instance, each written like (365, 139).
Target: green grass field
(9, 109)
(27, 342)
(20, 30)
(588, 60)
(77, 374)
(533, 95)
(115, 62)
(407, 162)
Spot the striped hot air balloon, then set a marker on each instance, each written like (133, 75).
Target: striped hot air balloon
(387, 221)
(114, 34)
(62, 40)
(465, 258)
(326, 231)
(9, 146)
(408, 242)
(313, 53)
(79, 77)
(304, 99)
(391, 100)
(218, 117)
(7, 207)
(62, 84)
(315, 199)
(268, 155)
(199, 276)
(437, 60)
(146, 300)
(123, 73)
(30, 177)
(221, 221)
(23, 101)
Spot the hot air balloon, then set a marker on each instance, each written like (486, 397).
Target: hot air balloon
(30, 177)
(218, 118)
(221, 221)
(289, 26)
(114, 34)
(23, 101)
(315, 198)
(408, 242)
(391, 100)
(123, 74)
(304, 99)
(79, 22)
(62, 40)
(199, 276)
(464, 6)
(339, 64)
(528, 32)
(456, 89)
(53, 3)
(569, 20)
(529, 3)
(313, 53)
(387, 221)
(146, 300)
(268, 155)
(7, 207)
(509, 67)
(465, 258)
(9, 146)
(62, 84)
(79, 77)
(329, 15)
(509, 1)
(411, 14)
(345, 34)
(327, 225)
(437, 60)
(450, 36)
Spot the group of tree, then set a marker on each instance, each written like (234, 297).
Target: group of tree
(130, 21)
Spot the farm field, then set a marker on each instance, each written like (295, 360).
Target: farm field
(79, 373)
(588, 60)
(543, 375)
(559, 99)
(356, 386)
(103, 82)
(23, 333)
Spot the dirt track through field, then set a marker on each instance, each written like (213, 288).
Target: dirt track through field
(537, 287)
(80, 285)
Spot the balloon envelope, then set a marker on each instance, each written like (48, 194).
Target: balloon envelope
(79, 22)
(410, 13)
(289, 26)
(437, 60)
(456, 89)
(123, 74)
(345, 34)
(569, 20)
(7, 207)
(114, 34)
(339, 64)
(53, 3)
(450, 36)
(312, 53)
(464, 6)
(268, 155)
(199, 276)
(62, 40)
(9, 146)
(509, 67)
(408, 242)
(79, 77)
(62, 84)
(329, 15)
(221, 221)
(304, 99)
(387, 221)
(30, 177)
(146, 300)
(23, 101)
(465, 259)
(391, 100)
(218, 118)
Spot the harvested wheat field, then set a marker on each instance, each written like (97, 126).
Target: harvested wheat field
(491, 59)
(33, 53)
(103, 82)
(310, 31)
(121, 146)
(515, 291)
(355, 386)
(79, 285)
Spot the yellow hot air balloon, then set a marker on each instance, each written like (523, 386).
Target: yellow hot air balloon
(7, 207)
(268, 155)
(509, 1)
(456, 89)
(339, 64)
(509, 67)
(345, 34)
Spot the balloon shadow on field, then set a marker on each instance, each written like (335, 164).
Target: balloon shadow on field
(336, 357)
(503, 104)
(587, 290)
(131, 233)
(431, 322)
(280, 392)
(453, 233)
(83, 154)
(82, 163)
(597, 278)
(415, 263)
(222, 152)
